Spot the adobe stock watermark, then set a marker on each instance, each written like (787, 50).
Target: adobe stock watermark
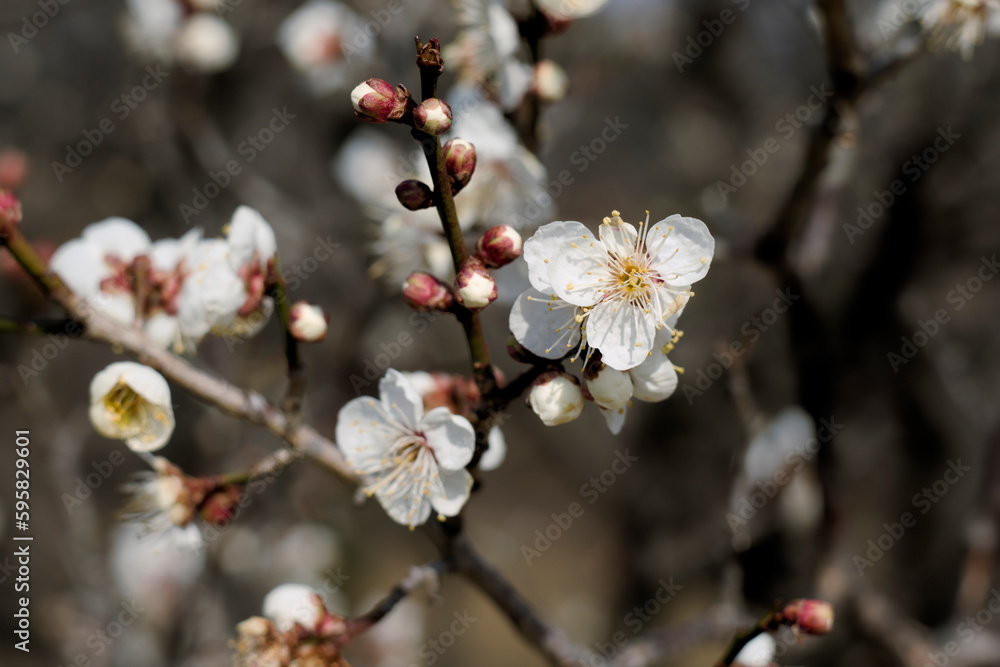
(748, 506)
(697, 44)
(960, 295)
(432, 650)
(636, 620)
(913, 168)
(30, 25)
(581, 158)
(901, 14)
(924, 501)
(362, 37)
(786, 127)
(751, 330)
(250, 149)
(100, 641)
(592, 490)
(390, 351)
(967, 631)
(46, 352)
(85, 486)
(121, 108)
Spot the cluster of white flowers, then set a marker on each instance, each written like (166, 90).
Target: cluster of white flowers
(961, 25)
(618, 293)
(326, 42)
(188, 32)
(175, 290)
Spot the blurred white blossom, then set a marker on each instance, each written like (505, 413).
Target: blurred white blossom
(325, 41)
(961, 25)
(131, 402)
(173, 31)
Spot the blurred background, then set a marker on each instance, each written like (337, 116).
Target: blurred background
(775, 472)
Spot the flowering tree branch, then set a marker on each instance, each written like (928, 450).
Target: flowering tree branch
(418, 576)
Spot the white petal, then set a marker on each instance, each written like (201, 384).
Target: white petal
(401, 399)
(615, 419)
(166, 254)
(362, 432)
(619, 237)
(163, 330)
(684, 253)
(207, 43)
(759, 652)
(457, 485)
(249, 232)
(558, 401)
(450, 436)
(789, 430)
(118, 237)
(545, 327)
(543, 246)
(152, 419)
(289, 604)
(610, 388)
(622, 332)
(144, 381)
(497, 452)
(119, 307)
(655, 379)
(411, 509)
(81, 266)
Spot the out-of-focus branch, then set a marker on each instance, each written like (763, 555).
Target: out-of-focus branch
(37, 327)
(717, 623)
(885, 625)
(292, 404)
(417, 577)
(245, 404)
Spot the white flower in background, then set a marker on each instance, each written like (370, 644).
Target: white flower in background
(131, 402)
(570, 9)
(961, 25)
(171, 32)
(497, 451)
(308, 322)
(289, 604)
(620, 286)
(556, 398)
(413, 461)
(98, 266)
(551, 82)
(159, 496)
(487, 40)
(759, 652)
(325, 40)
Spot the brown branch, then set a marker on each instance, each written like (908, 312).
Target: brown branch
(414, 579)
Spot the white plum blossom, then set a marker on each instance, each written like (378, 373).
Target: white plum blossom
(497, 451)
(613, 292)
(485, 48)
(207, 43)
(195, 36)
(160, 498)
(131, 402)
(289, 604)
(308, 322)
(556, 399)
(961, 25)
(570, 9)
(322, 40)
(412, 461)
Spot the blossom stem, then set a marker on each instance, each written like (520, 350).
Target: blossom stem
(296, 372)
(38, 327)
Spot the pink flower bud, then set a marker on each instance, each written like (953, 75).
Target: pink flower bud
(551, 82)
(460, 161)
(432, 116)
(476, 287)
(424, 292)
(556, 398)
(308, 323)
(414, 195)
(10, 212)
(813, 617)
(499, 246)
(376, 101)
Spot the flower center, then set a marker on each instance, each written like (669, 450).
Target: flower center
(126, 406)
(633, 278)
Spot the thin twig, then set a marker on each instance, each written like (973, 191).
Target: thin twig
(417, 577)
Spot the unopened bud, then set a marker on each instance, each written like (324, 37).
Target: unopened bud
(460, 161)
(10, 212)
(608, 387)
(499, 246)
(432, 116)
(376, 101)
(424, 292)
(556, 398)
(475, 285)
(414, 194)
(220, 507)
(551, 82)
(308, 322)
(813, 617)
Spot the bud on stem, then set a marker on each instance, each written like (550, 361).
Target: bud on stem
(460, 161)
(414, 194)
(424, 292)
(475, 285)
(499, 246)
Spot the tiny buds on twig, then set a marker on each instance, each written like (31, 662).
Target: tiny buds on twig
(429, 55)
(551, 82)
(499, 246)
(432, 117)
(813, 617)
(556, 398)
(414, 194)
(475, 285)
(460, 161)
(376, 101)
(424, 293)
(10, 213)
(307, 322)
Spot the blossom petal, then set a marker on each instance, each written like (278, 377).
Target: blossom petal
(450, 436)
(410, 509)
(623, 332)
(682, 249)
(362, 432)
(615, 419)
(655, 379)
(250, 233)
(545, 244)
(579, 271)
(401, 399)
(544, 326)
(81, 266)
(118, 237)
(456, 485)
(497, 452)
